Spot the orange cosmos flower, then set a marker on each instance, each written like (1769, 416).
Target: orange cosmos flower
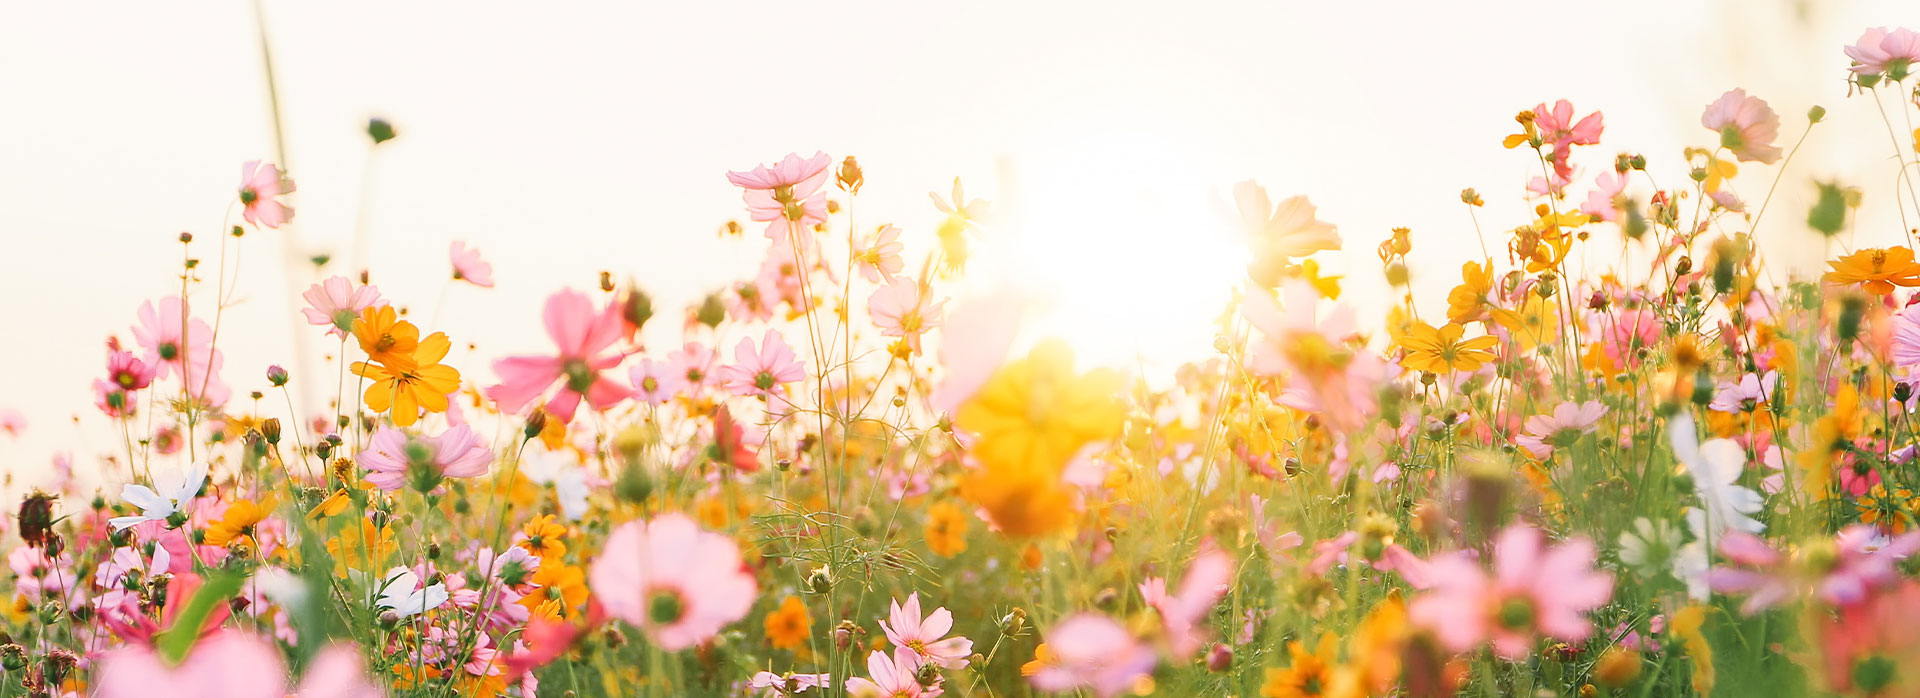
(1877, 270)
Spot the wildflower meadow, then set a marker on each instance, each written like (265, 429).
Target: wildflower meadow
(1624, 457)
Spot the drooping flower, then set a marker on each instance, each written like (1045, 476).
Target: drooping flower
(901, 309)
(395, 459)
(788, 685)
(337, 303)
(1747, 126)
(1534, 590)
(926, 637)
(896, 676)
(759, 372)
(1091, 651)
(679, 584)
(1882, 52)
(784, 194)
(469, 267)
(173, 494)
(402, 593)
(582, 336)
(1182, 614)
(407, 385)
(261, 185)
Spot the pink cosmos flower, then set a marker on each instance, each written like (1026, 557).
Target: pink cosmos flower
(1603, 201)
(469, 267)
(337, 302)
(1092, 651)
(192, 356)
(1906, 337)
(1181, 615)
(655, 382)
(753, 300)
(1310, 347)
(880, 259)
(677, 583)
(1747, 126)
(900, 309)
(12, 422)
(784, 192)
(1393, 558)
(390, 454)
(1770, 577)
(232, 664)
(694, 364)
(1533, 590)
(260, 186)
(1571, 419)
(788, 684)
(923, 636)
(892, 677)
(1557, 127)
(128, 373)
(757, 372)
(1890, 52)
(1746, 395)
(582, 336)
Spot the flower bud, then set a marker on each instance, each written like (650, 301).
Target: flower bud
(270, 428)
(36, 518)
(380, 130)
(1220, 658)
(637, 307)
(850, 176)
(13, 657)
(277, 375)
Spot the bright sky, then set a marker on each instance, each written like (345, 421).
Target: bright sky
(562, 139)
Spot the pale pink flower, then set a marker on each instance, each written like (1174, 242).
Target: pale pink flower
(12, 421)
(1183, 613)
(694, 364)
(788, 684)
(1880, 51)
(1533, 590)
(1770, 577)
(1545, 432)
(923, 636)
(1604, 201)
(679, 584)
(469, 267)
(1906, 337)
(1747, 395)
(1335, 381)
(1557, 127)
(1092, 651)
(880, 259)
(337, 302)
(757, 372)
(784, 192)
(582, 336)
(753, 300)
(232, 664)
(1747, 126)
(261, 185)
(900, 309)
(897, 676)
(191, 355)
(458, 452)
(655, 382)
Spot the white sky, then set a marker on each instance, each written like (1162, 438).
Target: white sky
(566, 138)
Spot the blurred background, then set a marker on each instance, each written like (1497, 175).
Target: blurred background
(564, 139)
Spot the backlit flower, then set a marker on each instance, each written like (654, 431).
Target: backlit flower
(337, 303)
(406, 386)
(1442, 351)
(582, 336)
(469, 267)
(1882, 52)
(1533, 590)
(759, 372)
(926, 637)
(395, 459)
(1747, 126)
(784, 194)
(261, 185)
(901, 309)
(1091, 651)
(679, 584)
(1876, 269)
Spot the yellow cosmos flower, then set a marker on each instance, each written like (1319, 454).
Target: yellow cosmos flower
(563, 589)
(1037, 411)
(407, 386)
(1877, 270)
(789, 626)
(384, 336)
(1312, 674)
(366, 547)
(1467, 301)
(946, 529)
(238, 522)
(544, 537)
(1441, 350)
(1532, 324)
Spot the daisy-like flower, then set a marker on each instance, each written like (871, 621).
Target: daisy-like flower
(1650, 546)
(1605, 202)
(1534, 590)
(1091, 651)
(583, 336)
(1840, 572)
(961, 216)
(1278, 235)
(784, 194)
(880, 259)
(897, 676)
(405, 385)
(127, 373)
(469, 267)
(402, 594)
(1747, 126)
(1556, 127)
(1442, 351)
(176, 344)
(261, 185)
(788, 684)
(655, 382)
(1715, 466)
(1181, 614)
(759, 372)
(1543, 433)
(169, 495)
(694, 364)
(679, 584)
(337, 303)
(1752, 392)
(1882, 52)
(1876, 269)
(900, 309)
(926, 637)
(394, 459)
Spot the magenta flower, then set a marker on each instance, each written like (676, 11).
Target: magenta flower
(655, 382)
(1879, 51)
(758, 372)
(582, 336)
(1534, 590)
(923, 636)
(785, 192)
(260, 186)
(337, 302)
(1747, 126)
(469, 267)
(677, 583)
(891, 677)
(1092, 651)
(1543, 433)
(1859, 562)
(394, 459)
(1181, 614)
(900, 309)
(127, 373)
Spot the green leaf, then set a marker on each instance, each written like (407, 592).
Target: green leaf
(174, 642)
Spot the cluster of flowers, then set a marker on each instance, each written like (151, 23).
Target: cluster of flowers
(1672, 476)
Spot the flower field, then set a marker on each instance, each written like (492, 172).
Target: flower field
(1683, 472)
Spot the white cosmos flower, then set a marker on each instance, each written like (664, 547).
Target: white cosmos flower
(561, 469)
(402, 594)
(173, 493)
(1715, 466)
